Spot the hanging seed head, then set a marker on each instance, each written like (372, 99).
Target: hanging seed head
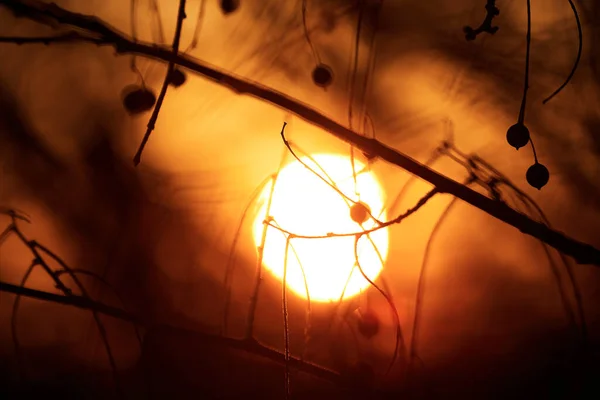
(229, 6)
(137, 100)
(517, 135)
(360, 212)
(322, 75)
(177, 78)
(537, 175)
(368, 324)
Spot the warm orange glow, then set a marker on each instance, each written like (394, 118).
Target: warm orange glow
(305, 205)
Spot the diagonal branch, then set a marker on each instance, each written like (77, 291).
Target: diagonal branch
(52, 14)
(246, 345)
(72, 300)
(64, 38)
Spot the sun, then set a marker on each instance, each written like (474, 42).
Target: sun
(304, 204)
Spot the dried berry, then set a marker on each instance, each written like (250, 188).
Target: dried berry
(177, 78)
(229, 6)
(517, 135)
(538, 175)
(322, 75)
(137, 100)
(360, 212)
(368, 324)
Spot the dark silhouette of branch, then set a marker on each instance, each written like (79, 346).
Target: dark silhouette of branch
(313, 49)
(485, 175)
(246, 345)
(109, 286)
(163, 91)
(486, 26)
(50, 13)
(68, 37)
(13, 319)
(73, 300)
(577, 59)
(39, 252)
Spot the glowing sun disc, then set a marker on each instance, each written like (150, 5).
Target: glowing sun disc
(304, 204)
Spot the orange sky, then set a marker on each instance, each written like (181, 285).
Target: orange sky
(162, 232)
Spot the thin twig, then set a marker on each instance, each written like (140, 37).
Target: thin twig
(399, 343)
(307, 33)
(286, 329)
(199, 20)
(69, 37)
(38, 251)
(109, 286)
(13, 319)
(163, 91)
(230, 266)
(261, 248)
(73, 300)
(527, 55)
(422, 201)
(414, 336)
(577, 59)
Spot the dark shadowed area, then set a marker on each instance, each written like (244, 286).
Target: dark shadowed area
(497, 318)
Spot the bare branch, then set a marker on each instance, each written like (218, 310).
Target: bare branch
(72, 300)
(247, 345)
(48, 13)
(163, 91)
(69, 37)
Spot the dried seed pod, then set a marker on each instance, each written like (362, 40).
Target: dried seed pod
(537, 175)
(177, 78)
(368, 324)
(360, 212)
(229, 6)
(137, 100)
(517, 135)
(322, 75)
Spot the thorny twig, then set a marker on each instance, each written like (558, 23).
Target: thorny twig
(399, 335)
(72, 300)
(486, 26)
